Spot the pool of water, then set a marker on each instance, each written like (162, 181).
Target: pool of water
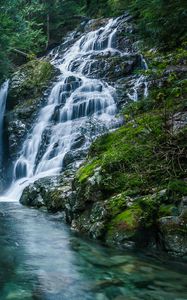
(40, 258)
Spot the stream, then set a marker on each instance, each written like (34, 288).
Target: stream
(41, 258)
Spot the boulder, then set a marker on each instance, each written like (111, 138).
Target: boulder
(174, 234)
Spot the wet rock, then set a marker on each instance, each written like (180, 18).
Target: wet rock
(174, 234)
(45, 138)
(55, 193)
(78, 142)
(113, 67)
(25, 97)
(178, 121)
(73, 158)
(31, 196)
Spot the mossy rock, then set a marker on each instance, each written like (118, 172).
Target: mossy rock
(30, 80)
(174, 235)
(117, 203)
(168, 210)
(124, 227)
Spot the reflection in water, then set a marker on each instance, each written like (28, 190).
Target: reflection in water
(41, 259)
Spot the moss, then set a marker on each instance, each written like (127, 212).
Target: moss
(145, 159)
(124, 226)
(129, 218)
(38, 73)
(167, 210)
(31, 79)
(177, 187)
(149, 207)
(87, 171)
(117, 204)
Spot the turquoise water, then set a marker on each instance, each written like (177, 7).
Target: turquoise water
(40, 258)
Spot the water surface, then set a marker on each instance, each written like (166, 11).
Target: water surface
(41, 258)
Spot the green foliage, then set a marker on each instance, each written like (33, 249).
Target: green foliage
(16, 31)
(160, 23)
(87, 171)
(31, 26)
(147, 152)
(177, 187)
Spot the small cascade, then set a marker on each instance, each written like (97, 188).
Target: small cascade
(139, 82)
(3, 97)
(79, 108)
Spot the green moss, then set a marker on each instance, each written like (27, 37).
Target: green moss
(117, 204)
(167, 210)
(87, 171)
(177, 187)
(125, 225)
(38, 73)
(149, 207)
(145, 159)
(129, 218)
(29, 81)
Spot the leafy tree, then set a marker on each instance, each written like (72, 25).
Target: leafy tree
(17, 31)
(30, 26)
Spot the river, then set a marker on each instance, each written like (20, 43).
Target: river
(41, 258)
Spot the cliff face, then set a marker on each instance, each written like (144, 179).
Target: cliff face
(27, 93)
(28, 89)
(131, 190)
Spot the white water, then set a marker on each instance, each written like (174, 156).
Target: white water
(3, 97)
(78, 102)
(138, 82)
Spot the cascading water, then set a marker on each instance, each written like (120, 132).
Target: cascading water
(76, 101)
(3, 97)
(75, 104)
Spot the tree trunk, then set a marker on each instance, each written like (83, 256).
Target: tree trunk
(88, 2)
(20, 52)
(48, 30)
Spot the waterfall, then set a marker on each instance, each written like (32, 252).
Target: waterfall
(3, 97)
(75, 104)
(79, 108)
